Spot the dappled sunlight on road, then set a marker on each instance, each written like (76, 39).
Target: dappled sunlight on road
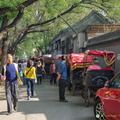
(23, 95)
(21, 116)
(41, 116)
(31, 99)
(35, 99)
(45, 105)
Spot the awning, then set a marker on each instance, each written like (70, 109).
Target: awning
(79, 60)
(108, 56)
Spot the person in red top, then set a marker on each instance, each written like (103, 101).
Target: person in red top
(53, 72)
(95, 66)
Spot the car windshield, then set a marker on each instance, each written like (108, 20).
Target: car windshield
(116, 82)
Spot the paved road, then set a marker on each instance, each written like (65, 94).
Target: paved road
(46, 106)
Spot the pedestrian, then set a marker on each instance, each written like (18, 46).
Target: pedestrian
(30, 73)
(43, 65)
(39, 72)
(21, 73)
(62, 77)
(53, 72)
(11, 84)
(24, 65)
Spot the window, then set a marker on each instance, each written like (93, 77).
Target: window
(53, 46)
(56, 45)
(116, 82)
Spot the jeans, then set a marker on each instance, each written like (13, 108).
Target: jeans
(24, 80)
(53, 77)
(62, 85)
(30, 86)
(39, 80)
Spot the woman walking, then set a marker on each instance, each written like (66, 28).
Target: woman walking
(53, 72)
(39, 71)
(30, 74)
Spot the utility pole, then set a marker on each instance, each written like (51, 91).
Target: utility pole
(68, 24)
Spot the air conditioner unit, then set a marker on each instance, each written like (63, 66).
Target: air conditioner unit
(85, 44)
(81, 40)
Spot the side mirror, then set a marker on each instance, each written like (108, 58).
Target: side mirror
(107, 84)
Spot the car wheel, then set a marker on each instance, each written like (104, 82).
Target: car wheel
(98, 110)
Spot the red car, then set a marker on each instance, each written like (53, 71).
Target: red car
(107, 100)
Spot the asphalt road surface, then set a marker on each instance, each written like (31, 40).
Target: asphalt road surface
(46, 105)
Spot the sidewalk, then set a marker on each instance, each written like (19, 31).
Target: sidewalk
(30, 109)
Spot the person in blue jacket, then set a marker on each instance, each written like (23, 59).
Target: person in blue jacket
(62, 77)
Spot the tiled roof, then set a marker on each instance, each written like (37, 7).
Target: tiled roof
(104, 38)
(93, 18)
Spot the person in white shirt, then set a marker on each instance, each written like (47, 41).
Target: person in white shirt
(24, 65)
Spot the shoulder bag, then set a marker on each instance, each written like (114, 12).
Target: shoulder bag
(28, 70)
(18, 77)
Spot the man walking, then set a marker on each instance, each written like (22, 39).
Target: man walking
(62, 77)
(11, 84)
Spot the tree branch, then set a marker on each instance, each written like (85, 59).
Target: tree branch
(38, 30)
(33, 26)
(50, 20)
(24, 39)
(12, 25)
(19, 7)
(20, 39)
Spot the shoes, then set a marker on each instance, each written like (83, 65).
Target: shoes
(69, 90)
(15, 108)
(28, 98)
(9, 113)
(63, 100)
(32, 96)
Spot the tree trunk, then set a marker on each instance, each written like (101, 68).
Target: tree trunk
(4, 53)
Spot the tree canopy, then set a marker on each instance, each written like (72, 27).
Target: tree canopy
(27, 22)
